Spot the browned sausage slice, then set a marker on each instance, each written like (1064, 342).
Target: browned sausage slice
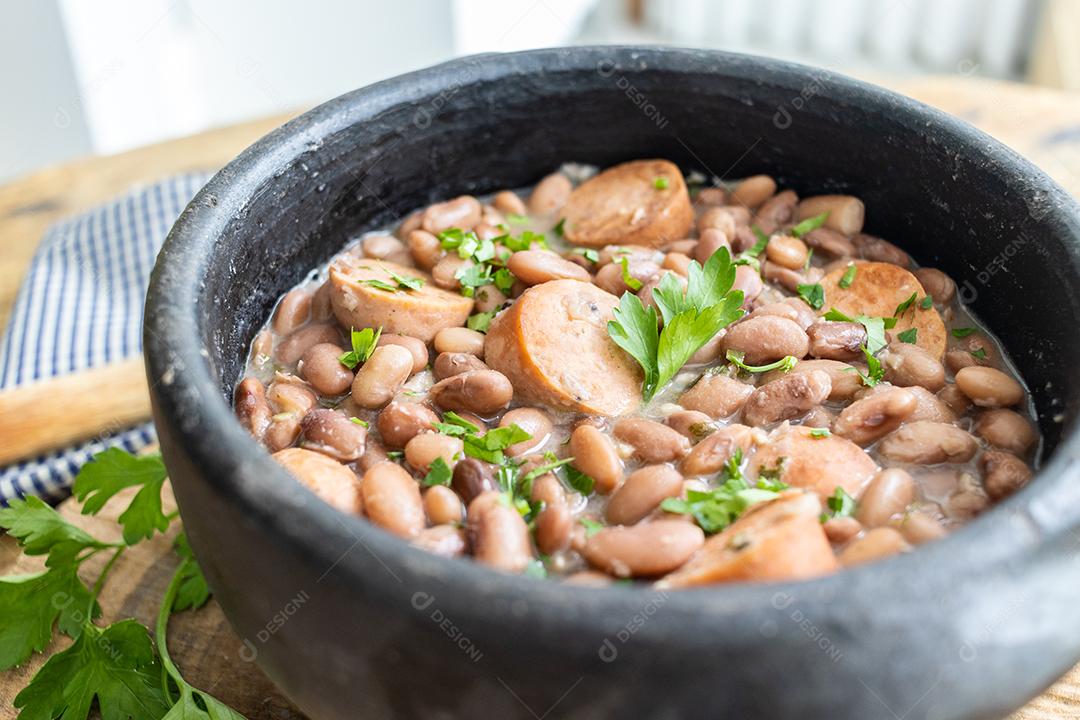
(815, 463)
(554, 346)
(643, 202)
(876, 291)
(420, 313)
(779, 540)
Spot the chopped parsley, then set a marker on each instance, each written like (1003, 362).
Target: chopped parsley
(839, 504)
(978, 353)
(439, 473)
(517, 219)
(363, 344)
(660, 183)
(480, 321)
(560, 228)
(875, 373)
(875, 327)
(818, 433)
(903, 307)
(786, 363)
(588, 253)
(963, 332)
(631, 282)
(927, 302)
(358, 421)
(717, 508)
(487, 267)
(810, 224)
(849, 276)
(813, 295)
(591, 526)
(909, 336)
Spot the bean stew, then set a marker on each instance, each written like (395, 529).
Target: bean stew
(636, 374)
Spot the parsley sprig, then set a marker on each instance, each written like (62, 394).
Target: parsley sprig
(786, 363)
(691, 319)
(363, 343)
(488, 266)
(718, 507)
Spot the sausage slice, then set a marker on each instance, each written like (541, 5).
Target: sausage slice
(814, 463)
(644, 202)
(418, 313)
(554, 346)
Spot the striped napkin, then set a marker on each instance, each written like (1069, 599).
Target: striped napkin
(80, 306)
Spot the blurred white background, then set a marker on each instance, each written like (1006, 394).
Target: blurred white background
(101, 76)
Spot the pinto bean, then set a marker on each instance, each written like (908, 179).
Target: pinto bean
(633, 254)
(425, 248)
(840, 530)
(442, 505)
(500, 538)
(749, 283)
(392, 500)
(489, 298)
(479, 391)
(907, 365)
(595, 455)
(534, 421)
(292, 312)
(678, 262)
(919, 527)
(462, 212)
(787, 251)
(710, 455)
(989, 387)
(829, 242)
(550, 194)
(445, 272)
(784, 277)
(694, 425)
(415, 346)
(877, 250)
(290, 397)
(442, 540)
(753, 191)
(928, 443)
(874, 416)
(652, 441)
(451, 364)
(718, 219)
(295, 344)
(472, 478)
(836, 340)
(374, 453)
(588, 578)
(401, 421)
(334, 483)
(953, 397)
(333, 434)
(846, 212)
(610, 277)
(460, 340)
(820, 417)
(929, 406)
(887, 495)
(718, 396)
(653, 548)
(777, 210)
(787, 398)
(533, 267)
(379, 379)
(876, 544)
(282, 432)
(766, 338)
(424, 448)
(554, 522)
(937, 284)
(642, 493)
(1003, 473)
(1007, 430)
(507, 201)
(252, 408)
(712, 239)
(779, 309)
(382, 247)
(320, 367)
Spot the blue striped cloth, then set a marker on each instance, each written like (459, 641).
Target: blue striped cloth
(80, 306)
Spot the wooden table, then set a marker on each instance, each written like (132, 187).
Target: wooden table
(1042, 124)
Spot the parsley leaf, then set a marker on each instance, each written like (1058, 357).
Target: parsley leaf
(631, 282)
(41, 531)
(719, 507)
(963, 332)
(560, 228)
(813, 295)
(403, 282)
(591, 526)
(480, 321)
(839, 504)
(660, 183)
(363, 344)
(31, 604)
(439, 473)
(903, 307)
(875, 327)
(848, 277)
(927, 302)
(759, 246)
(818, 433)
(875, 373)
(909, 336)
(809, 224)
(113, 470)
(634, 330)
(589, 254)
(785, 364)
(579, 481)
(978, 353)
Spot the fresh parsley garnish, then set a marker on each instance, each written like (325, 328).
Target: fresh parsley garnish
(848, 277)
(401, 282)
(810, 224)
(903, 307)
(579, 481)
(517, 219)
(591, 526)
(589, 254)
(486, 266)
(875, 373)
(963, 332)
(660, 183)
(358, 421)
(909, 336)
(560, 227)
(927, 302)
(978, 353)
(113, 470)
(631, 282)
(690, 319)
(439, 473)
(839, 504)
(363, 344)
(875, 327)
(718, 507)
(480, 321)
(786, 363)
(813, 295)
(759, 246)
(818, 433)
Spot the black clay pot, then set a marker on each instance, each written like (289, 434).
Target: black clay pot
(352, 622)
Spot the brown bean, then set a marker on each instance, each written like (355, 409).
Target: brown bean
(334, 483)
(928, 443)
(919, 527)
(874, 416)
(633, 254)
(1007, 430)
(836, 340)
(1003, 473)
(777, 210)
(787, 251)
(379, 379)
(646, 549)
(442, 505)
(653, 442)
(956, 400)
(333, 434)
(820, 417)
(554, 521)
(550, 194)
(426, 447)
(426, 249)
(290, 397)
(252, 408)
(710, 455)
(749, 283)
(534, 421)
(876, 544)
(382, 247)
(766, 338)
(533, 267)
(507, 201)
(500, 538)
(887, 495)
(296, 343)
(929, 406)
(878, 250)
(445, 272)
(787, 398)
(283, 431)
(410, 223)
(643, 491)
(442, 540)
(588, 578)
(595, 455)
(480, 391)
(392, 500)
(292, 312)
(610, 277)
(451, 364)
(840, 530)
(320, 367)
(415, 346)
(718, 396)
(262, 346)
(753, 191)
(937, 284)
(907, 364)
(461, 212)
(693, 424)
(829, 242)
(401, 421)
(374, 453)
(472, 478)
(846, 212)
(712, 239)
(488, 298)
(677, 262)
(989, 387)
(460, 340)
(718, 219)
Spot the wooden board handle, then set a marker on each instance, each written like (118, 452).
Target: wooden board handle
(60, 412)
